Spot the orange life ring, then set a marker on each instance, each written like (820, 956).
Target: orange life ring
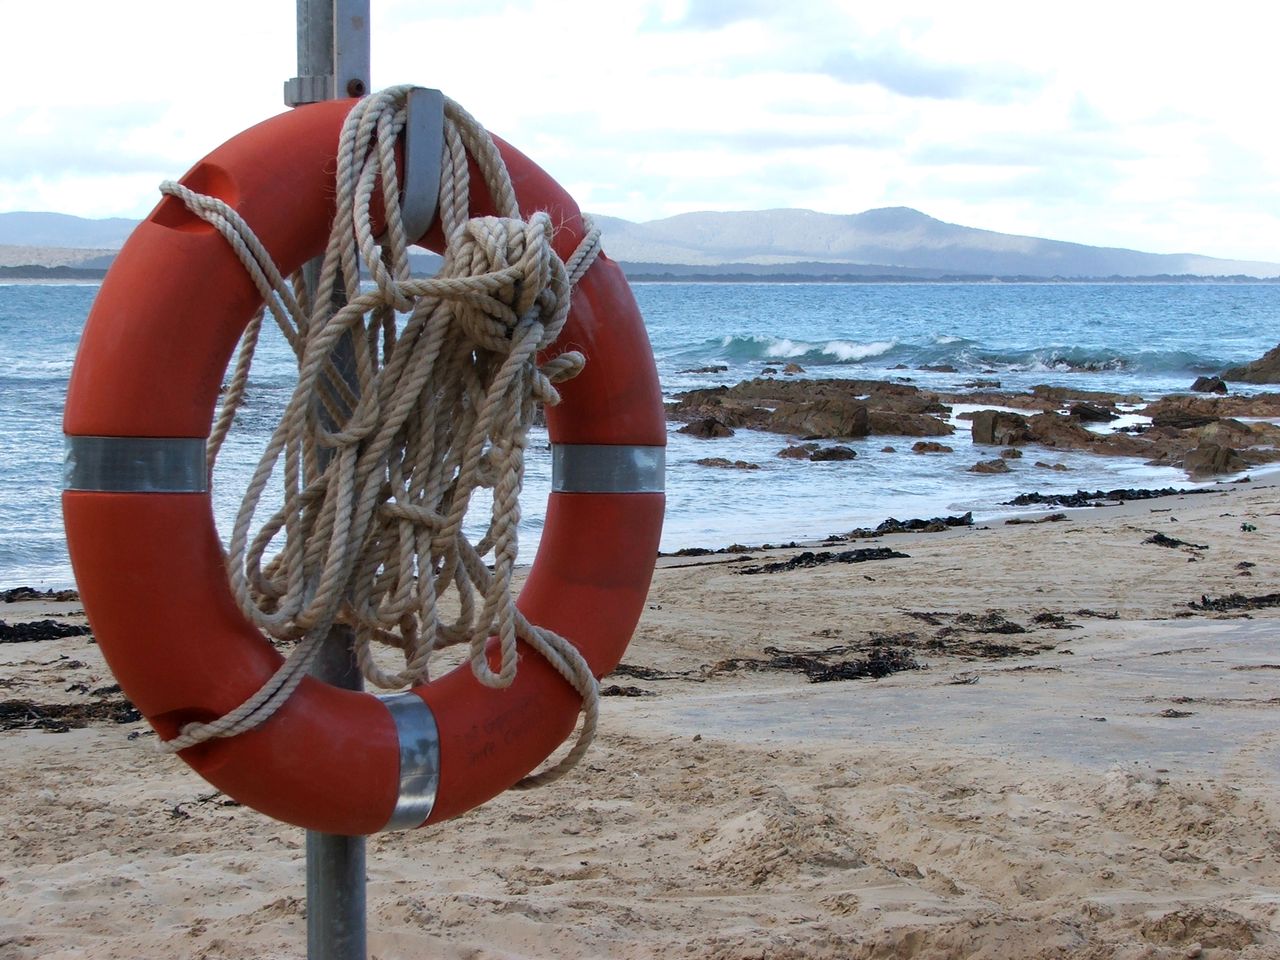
(150, 566)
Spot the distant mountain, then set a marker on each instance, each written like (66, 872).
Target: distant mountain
(24, 256)
(891, 237)
(889, 242)
(63, 230)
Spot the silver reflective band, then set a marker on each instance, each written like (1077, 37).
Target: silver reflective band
(604, 468)
(136, 465)
(419, 760)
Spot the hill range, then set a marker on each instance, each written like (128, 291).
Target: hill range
(887, 243)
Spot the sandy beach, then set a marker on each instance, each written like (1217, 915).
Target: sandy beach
(1084, 765)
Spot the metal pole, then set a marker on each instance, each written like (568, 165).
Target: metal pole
(336, 926)
(333, 61)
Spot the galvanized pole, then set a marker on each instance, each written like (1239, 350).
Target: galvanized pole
(333, 61)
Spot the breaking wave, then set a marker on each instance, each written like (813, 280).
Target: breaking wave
(964, 354)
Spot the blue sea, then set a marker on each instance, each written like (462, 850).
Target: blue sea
(1148, 339)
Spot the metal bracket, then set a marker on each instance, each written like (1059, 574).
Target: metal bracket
(300, 90)
(423, 141)
(350, 48)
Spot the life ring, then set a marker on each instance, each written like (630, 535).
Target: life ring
(150, 566)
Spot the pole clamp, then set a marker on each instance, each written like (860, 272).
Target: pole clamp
(300, 90)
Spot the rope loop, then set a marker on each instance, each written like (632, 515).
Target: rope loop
(378, 455)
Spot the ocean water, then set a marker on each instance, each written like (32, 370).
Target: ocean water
(1148, 339)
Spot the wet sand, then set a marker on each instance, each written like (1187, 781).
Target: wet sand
(1084, 765)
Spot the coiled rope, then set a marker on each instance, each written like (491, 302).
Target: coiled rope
(379, 463)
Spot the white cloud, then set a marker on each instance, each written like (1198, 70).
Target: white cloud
(1126, 124)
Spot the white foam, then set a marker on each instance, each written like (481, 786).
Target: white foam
(848, 350)
(788, 348)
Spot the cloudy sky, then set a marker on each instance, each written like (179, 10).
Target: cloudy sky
(1126, 123)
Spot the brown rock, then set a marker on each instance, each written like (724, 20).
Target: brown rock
(888, 449)
(714, 368)
(1091, 413)
(907, 424)
(1052, 466)
(1266, 369)
(833, 453)
(1019, 401)
(1209, 385)
(990, 466)
(724, 464)
(1211, 460)
(1055, 430)
(823, 417)
(1181, 419)
(999, 428)
(1233, 433)
(1062, 395)
(1011, 453)
(707, 428)
(793, 368)
(930, 446)
(798, 451)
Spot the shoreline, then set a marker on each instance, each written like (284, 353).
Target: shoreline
(1257, 479)
(1015, 515)
(1084, 764)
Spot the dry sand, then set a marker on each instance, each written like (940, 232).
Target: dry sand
(1102, 785)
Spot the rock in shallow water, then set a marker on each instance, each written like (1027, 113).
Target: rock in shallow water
(1209, 385)
(998, 428)
(1211, 460)
(724, 464)
(707, 428)
(990, 466)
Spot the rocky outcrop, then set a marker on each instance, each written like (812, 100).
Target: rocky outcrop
(706, 428)
(1180, 418)
(1266, 369)
(1211, 460)
(907, 424)
(990, 466)
(824, 417)
(1206, 409)
(818, 408)
(714, 368)
(1228, 432)
(1066, 433)
(840, 409)
(999, 428)
(1066, 395)
(833, 453)
(1209, 385)
(798, 451)
(1092, 413)
(817, 453)
(724, 464)
(930, 446)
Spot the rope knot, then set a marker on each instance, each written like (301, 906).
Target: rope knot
(513, 280)
(379, 459)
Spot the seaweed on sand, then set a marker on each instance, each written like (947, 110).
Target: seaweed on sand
(61, 717)
(818, 669)
(810, 559)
